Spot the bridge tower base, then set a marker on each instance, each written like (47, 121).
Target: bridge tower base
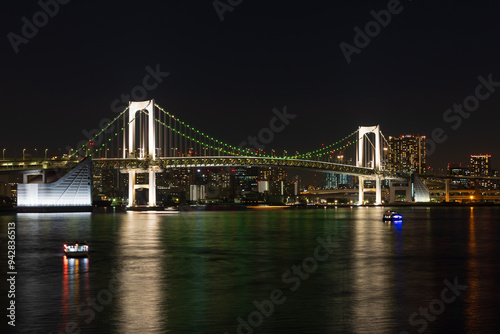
(378, 191)
(131, 188)
(151, 186)
(361, 199)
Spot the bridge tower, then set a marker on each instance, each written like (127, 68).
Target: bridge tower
(362, 160)
(132, 150)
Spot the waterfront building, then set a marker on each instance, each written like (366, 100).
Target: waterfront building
(73, 190)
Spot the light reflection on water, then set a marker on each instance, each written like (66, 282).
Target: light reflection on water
(197, 272)
(142, 285)
(75, 289)
(472, 300)
(374, 281)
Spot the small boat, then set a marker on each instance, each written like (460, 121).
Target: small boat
(76, 249)
(390, 216)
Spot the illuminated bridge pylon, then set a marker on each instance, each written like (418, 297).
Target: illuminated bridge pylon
(141, 145)
(369, 156)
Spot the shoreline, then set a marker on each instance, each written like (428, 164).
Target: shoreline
(226, 207)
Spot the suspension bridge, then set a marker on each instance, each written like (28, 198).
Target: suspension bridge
(146, 138)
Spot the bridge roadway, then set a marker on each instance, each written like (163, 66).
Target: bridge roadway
(319, 192)
(26, 165)
(442, 178)
(194, 162)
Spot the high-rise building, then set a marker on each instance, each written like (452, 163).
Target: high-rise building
(245, 180)
(407, 154)
(220, 183)
(331, 181)
(197, 193)
(480, 165)
(338, 181)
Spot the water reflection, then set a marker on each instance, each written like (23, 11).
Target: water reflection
(198, 272)
(472, 300)
(141, 259)
(372, 274)
(75, 290)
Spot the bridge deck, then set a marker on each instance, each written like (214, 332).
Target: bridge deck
(195, 162)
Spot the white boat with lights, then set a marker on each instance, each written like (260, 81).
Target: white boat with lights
(76, 249)
(391, 216)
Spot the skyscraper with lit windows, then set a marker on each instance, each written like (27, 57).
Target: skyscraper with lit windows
(480, 165)
(406, 154)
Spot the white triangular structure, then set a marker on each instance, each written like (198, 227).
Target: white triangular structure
(72, 190)
(420, 191)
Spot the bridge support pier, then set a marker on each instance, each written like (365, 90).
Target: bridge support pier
(361, 190)
(152, 187)
(378, 191)
(131, 188)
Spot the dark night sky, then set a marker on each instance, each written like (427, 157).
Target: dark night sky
(226, 77)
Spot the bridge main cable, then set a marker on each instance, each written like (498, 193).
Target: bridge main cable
(230, 149)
